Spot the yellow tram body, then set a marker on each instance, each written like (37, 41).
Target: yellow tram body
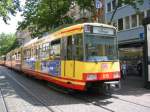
(49, 59)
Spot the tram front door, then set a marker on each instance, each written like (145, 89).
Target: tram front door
(72, 49)
(69, 63)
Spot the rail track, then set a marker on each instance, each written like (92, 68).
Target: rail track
(84, 97)
(58, 89)
(3, 103)
(41, 101)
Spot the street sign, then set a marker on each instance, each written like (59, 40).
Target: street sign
(98, 4)
(142, 36)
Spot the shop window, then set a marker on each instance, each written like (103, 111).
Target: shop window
(141, 17)
(127, 22)
(134, 21)
(120, 24)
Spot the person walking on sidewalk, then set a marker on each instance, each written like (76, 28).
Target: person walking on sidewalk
(124, 70)
(139, 68)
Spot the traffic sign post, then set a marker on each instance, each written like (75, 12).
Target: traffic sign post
(98, 6)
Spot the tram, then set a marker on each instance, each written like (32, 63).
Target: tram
(78, 57)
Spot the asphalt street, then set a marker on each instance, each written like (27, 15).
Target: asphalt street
(23, 94)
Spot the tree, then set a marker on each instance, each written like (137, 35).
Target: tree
(43, 15)
(87, 5)
(7, 43)
(8, 7)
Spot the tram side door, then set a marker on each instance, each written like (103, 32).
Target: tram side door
(69, 63)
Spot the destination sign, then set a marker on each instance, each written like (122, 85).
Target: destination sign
(103, 30)
(99, 30)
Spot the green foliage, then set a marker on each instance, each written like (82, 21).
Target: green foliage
(7, 43)
(8, 7)
(43, 15)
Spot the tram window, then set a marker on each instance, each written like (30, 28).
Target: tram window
(27, 53)
(40, 51)
(24, 54)
(78, 47)
(19, 55)
(63, 48)
(55, 49)
(45, 50)
(69, 48)
(15, 56)
(37, 52)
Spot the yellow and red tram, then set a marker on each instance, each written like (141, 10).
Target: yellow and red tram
(76, 57)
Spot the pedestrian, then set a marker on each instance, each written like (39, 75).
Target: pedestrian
(124, 69)
(139, 68)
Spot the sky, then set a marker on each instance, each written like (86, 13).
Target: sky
(12, 26)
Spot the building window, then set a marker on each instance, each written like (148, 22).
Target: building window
(120, 24)
(113, 4)
(134, 20)
(148, 13)
(109, 7)
(127, 22)
(141, 17)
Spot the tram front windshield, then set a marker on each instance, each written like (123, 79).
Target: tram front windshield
(100, 48)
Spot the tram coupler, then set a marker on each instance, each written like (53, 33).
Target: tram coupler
(112, 85)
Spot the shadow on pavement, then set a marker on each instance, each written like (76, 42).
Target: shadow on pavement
(54, 98)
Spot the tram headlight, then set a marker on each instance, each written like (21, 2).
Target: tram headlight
(91, 77)
(116, 75)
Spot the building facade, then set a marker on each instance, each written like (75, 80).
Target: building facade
(84, 15)
(127, 20)
(23, 36)
(130, 31)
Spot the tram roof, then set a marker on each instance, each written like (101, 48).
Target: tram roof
(100, 24)
(31, 42)
(70, 30)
